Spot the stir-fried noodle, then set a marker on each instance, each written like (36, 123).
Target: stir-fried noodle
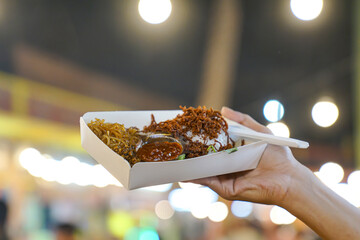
(120, 139)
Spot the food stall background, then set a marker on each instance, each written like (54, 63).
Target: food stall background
(62, 58)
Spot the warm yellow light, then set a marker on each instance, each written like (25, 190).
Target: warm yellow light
(27, 157)
(67, 171)
(200, 211)
(306, 10)
(218, 211)
(279, 129)
(325, 113)
(279, 216)
(354, 179)
(119, 223)
(164, 210)
(331, 173)
(155, 11)
(186, 185)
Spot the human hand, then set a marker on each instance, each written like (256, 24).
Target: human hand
(268, 183)
(281, 180)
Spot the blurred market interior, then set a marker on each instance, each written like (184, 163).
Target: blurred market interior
(294, 65)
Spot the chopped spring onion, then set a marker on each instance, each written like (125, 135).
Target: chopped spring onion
(231, 150)
(181, 156)
(211, 149)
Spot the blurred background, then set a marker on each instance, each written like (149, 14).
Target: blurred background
(294, 65)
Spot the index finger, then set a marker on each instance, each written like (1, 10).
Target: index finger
(244, 119)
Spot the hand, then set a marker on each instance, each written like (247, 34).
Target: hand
(268, 183)
(281, 180)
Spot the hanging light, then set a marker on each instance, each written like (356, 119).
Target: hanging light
(154, 11)
(325, 113)
(306, 10)
(273, 110)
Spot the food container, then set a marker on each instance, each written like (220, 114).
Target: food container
(144, 174)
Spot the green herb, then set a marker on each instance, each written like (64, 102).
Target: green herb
(181, 157)
(211, 149)
(231, 150)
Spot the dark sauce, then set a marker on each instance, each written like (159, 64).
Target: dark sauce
(159, 151)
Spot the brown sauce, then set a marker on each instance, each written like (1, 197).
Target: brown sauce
(159, 151)
(202, 121)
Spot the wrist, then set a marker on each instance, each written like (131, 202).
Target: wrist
(301, 185)
(329, 215)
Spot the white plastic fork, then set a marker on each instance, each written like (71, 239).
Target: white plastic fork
(244, 132)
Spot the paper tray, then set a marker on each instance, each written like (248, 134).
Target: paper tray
(144, 174)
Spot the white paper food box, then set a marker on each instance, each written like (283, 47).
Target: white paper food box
(144, 174)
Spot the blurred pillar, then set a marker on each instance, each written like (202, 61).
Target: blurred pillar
(221, 53)
(356, 44)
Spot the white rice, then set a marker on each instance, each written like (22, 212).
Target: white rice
(217, 143)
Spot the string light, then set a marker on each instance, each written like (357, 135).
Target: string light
(331, 173)
(279, 129)
(67, 171)
(279, 216)
(164, 210)
(306, 10)
(325, 113)
(273, 110)
(155, 11)
(218, 211)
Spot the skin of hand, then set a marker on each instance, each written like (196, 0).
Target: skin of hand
(268, 183)
(281, 180)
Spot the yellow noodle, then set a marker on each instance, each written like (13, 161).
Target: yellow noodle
(120, 139)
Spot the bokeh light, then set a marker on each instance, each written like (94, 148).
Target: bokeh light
(184, 200)
(142, 234)
(51, 171)
(279, 216)
(241, 209)
(28, 156)
(119, 223)
(218, 211)
(148, 234)
(354, 179)
(331, 173)
(279, 129)
(325, 113)
(354, 184)
(306, 10)
(102, 176)
(164, 210)
(68, 165)
(155, 11)
(185, 185)
(69, 170)
(200, 211)
(159, 188)
(349, 193)
(273, 110)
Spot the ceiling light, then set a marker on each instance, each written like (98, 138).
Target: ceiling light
(306, 10)
(154, 11)
(273, 110)
(325, 113)
(279, 129)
